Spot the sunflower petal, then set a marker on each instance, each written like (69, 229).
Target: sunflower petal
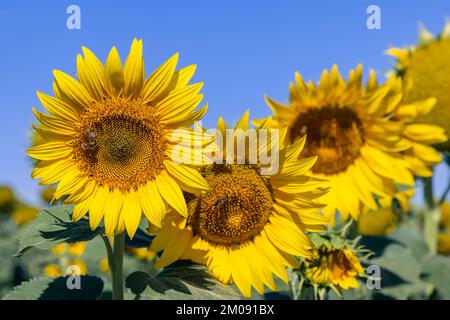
(171, 193)
(114, 72)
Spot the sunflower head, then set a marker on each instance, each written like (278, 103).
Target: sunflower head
(445, 215)
(385, 219)
(335, 263)
(109, 136)
(357, 134)
(71, 266)
(52, 270)
(73, 249)
(7, 199)
(444, 235)
(427, 66)
(144, 254)
(249, 226)
(103, 265)
(47, 194)
(444, 243)
(378, 223)
(24, 214)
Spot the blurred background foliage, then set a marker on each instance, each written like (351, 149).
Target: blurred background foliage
(393, 235)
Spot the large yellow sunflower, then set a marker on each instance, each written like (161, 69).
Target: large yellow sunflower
(427, 66)
(354, 132)
(249, 226)
(421, 156)
(108, 139)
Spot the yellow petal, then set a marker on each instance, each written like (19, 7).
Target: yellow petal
(131, 212)
(113, 206)
(134, 71)
(171, 193)
(175, 247)
(51, 171)
(152, 204)
(80, 210)
(96, 208)
(58, 108)
(286, 236)
(241, 272)
(72, 181)
(181, 98)
(159, 80)
(243, 122)
(50, 151)
(189, 179)
(72, 92)
(56, 125)
(114, 71)
(91, 77)
(83, 194)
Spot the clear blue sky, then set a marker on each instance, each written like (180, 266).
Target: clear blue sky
(243, 49)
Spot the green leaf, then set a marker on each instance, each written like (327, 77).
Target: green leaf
(416, 290)
(410, 236)
(179, 281)
(400, 274)
(400, 261)
(435, 270)
(57, 289)
(53, 226)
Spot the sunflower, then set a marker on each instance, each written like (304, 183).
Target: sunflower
(353, 131)
(24, 214)
(7, 199)
(68, 255)
(427, 66)
(47, 194)
(109, 139)
(73, 249)
(143, 254)
(338, 268)
(421, 156)
(54, 270)
(103, 265)
(444, 224)
(249, 226)
(385, 219)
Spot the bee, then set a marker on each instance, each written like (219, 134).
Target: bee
(221, 200)
(89, 142)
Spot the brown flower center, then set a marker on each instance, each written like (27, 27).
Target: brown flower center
(235, 210)
(120, 144)
(334, 134)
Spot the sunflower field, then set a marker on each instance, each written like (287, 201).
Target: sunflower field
(327, 190)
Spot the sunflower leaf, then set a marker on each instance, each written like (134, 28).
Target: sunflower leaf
(179, 281)
(53, 226)
(61, 288)
(435, 271)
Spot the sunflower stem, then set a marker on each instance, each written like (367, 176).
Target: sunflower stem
(444, 195)
(109, 252)
(431, 219)
(117, 270)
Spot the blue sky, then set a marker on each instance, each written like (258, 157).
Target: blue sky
(243, 49)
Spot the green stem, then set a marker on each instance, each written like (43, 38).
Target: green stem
(117, 271)
(431, 219)
(109, 252)
(444, 195)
